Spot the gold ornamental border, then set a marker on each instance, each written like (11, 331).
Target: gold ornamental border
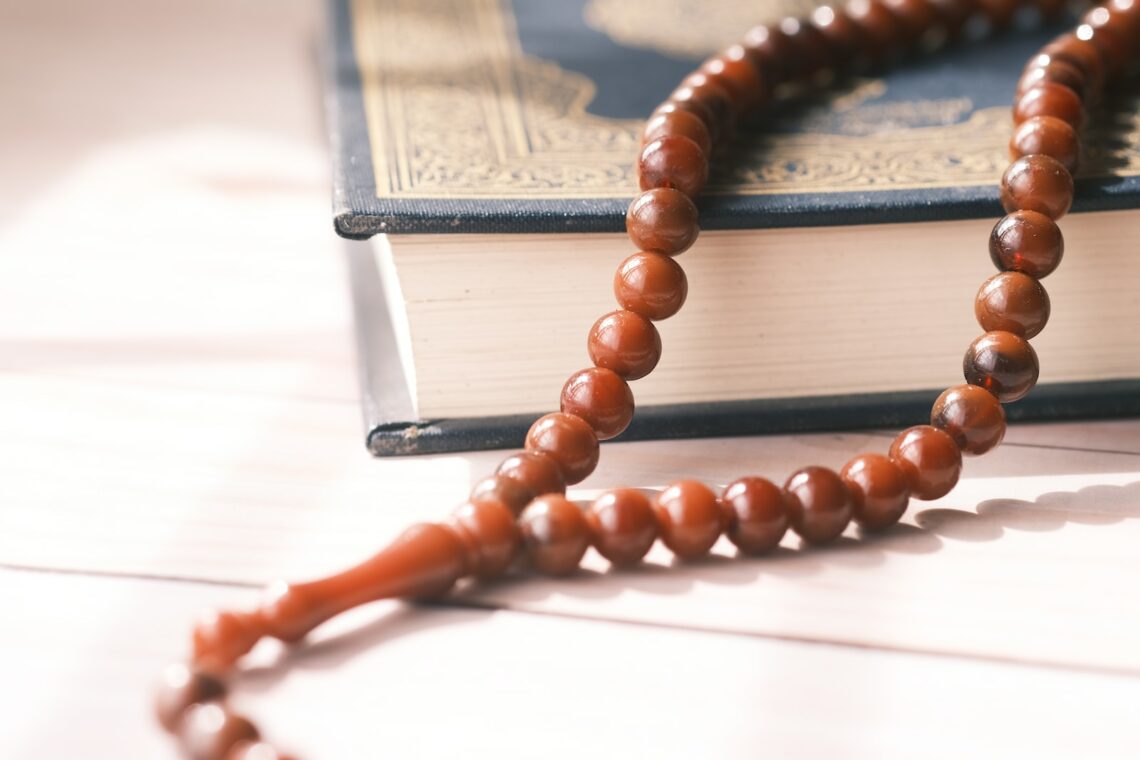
(456, 110)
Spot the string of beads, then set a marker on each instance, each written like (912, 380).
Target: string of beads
(522, 510)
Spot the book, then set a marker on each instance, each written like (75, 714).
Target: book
(488, 147)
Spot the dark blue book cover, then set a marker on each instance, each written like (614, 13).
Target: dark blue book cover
(523, 116)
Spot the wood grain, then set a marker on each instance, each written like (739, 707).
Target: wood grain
(178, 401)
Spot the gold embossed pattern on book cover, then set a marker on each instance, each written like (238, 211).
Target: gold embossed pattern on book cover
(455, 109)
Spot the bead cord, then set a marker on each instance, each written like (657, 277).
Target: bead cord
(521, 510)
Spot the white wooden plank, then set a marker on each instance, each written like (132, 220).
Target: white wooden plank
(1031, 558)
(81, 654)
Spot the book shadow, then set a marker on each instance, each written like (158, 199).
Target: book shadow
(1100, 505)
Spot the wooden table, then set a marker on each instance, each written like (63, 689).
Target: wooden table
(181, 425)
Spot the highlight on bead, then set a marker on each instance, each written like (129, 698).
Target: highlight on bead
(519, 515)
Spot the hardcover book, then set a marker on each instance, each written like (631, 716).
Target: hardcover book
(489, 147)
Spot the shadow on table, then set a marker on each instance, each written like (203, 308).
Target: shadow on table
(1095, 505)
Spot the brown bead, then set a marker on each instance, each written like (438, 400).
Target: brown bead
(768, 50)
(930, 460)
(489, 534)
(879, 489)
(842, 35)
(881, 29)
(662, 220)
(999, 13)
(917, 18)
(972, 416)
(1121, 17)
(758, 514)
(602, 398)
(1048, 136)
(734, 71)
(954, 15)
(1037, 183)
(1114, 50)
(1051, 10)
(256, 751)
(689, 517)
(181, 687)
(569, 441)
(625, 342)
(819, 504)
(674, 123)
(538, 472)
(221, 638)
(1013, 302)
(1027, 241)
(1049, 99)
(511, 492)
(1083, 55)
(210, 731)
(555, 534)
(675, 162)
(696, 107)
(704, 88)
(652, 285)
(1002, 363)
(1045, 69)
(623, 525)
(808, 50)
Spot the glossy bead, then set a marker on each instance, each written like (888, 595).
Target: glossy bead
(1049, 99)
(210, 731)
(220, 639)
(662, 220)
(1083, 55)
(758, 514)
(674, 123)
(703, 88)
(181, 687)
(625, 342)
(879, 489)
(689, 517)
(538, 472)
(972, 416)
(917, 18)
(515, 494)
(808, 50)
(739, 76)
(841, 33)
(954, 15)
(930, 460)
(696, 107)
(675, 162)
(1027, 241)
(819, 504)
(623, 525)
(602, 398)
(999, 12)
(1115, 52)
(1045, 69)
(768, 50)
(652, 285)
(1003, 364)
(489, 534)
(1013, 302)
(569, 441)
(1037, 183)
(882, 31)
(1048, 136)
(555, 534)
(256, 751)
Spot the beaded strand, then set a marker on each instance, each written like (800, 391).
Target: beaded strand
(521, 509)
